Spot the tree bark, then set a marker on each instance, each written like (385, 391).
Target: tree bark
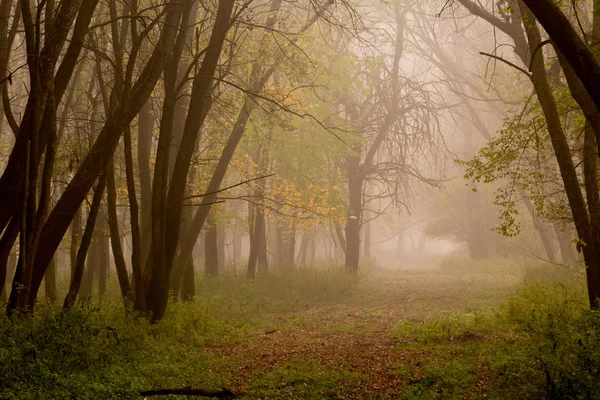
(86, 239)
(568, 42)
(565, 162)
(353, 221)
(115, 240)
(211, 254)
(101, 153)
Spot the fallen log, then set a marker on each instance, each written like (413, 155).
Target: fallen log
(224, 394)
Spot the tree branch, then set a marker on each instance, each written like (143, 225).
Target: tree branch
(228, 187)
(507, 63)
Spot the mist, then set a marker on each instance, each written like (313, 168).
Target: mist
(299, 199)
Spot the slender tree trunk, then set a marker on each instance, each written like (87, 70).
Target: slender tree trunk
(211, 253)
(145, 127)
(545, 235)
(353, 220)
(257, 238)
(103, 253)
(100, 155)
(115, 240)
(221, 251)
(367, 240)
(258, 78)
(86, 239)
(237, 246)
(75, 239)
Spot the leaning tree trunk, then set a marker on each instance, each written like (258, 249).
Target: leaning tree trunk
(86, 239)
(562, 153)
(101, 153)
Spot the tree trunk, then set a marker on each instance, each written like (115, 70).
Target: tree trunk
(145, 127)
(353, 220)
(188, 288)
(565, 162)
(100, 155)
(117, 249)
(221, 251)
(86, 239)
(50, 281)
(211, 253)
(103, 253)
(564, 242)
(7, 257)
(258, 242)
(542, 229)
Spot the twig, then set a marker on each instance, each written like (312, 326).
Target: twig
(229, 187)
(507, 63)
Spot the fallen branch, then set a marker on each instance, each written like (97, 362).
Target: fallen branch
(224, 394)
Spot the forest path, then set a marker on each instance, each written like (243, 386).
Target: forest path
(354, 335)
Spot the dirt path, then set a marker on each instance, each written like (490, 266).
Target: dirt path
(355, 337)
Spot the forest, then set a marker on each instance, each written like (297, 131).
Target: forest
(300, 199)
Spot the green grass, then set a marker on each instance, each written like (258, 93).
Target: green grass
(543, 342)
(453, 334)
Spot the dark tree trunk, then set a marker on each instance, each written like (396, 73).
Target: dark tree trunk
(583, 225)
(145, 127)
(7, 257)
(75, 239)
(86, 239)
(103, 250)
(115, 240)
(101, 153)
(166, 204)
(258, 242)
(200, 100)
(136, 251)
(211, 253)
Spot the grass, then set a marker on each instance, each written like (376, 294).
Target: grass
(471, 330)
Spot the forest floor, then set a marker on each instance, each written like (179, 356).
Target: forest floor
(350, 348)
(471, 329)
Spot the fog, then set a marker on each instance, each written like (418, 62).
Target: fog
(299, 199)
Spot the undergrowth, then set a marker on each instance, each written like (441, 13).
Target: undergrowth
(108, 352)
(544, 343)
